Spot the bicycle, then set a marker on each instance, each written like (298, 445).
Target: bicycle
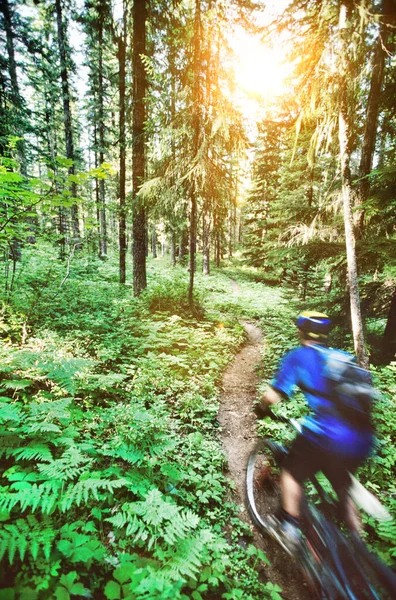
(336, 566)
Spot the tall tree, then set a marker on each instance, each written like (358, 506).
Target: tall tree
(344, 136)
(101, 9)
(121, 39)
(16, 98)
(64, 57)
(139, 16)
(196, 120)
(388, 12)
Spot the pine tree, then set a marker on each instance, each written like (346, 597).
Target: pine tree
(139, 18)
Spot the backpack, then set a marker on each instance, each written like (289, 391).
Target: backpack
(350, 387)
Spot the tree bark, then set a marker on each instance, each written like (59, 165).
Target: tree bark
(122, 156)
(195, 129)
(138, 146)
(346, 180)
(12, 70)
(205, 242)
(67, 118)
(101, 127)
(217, 239)
(173, 248)
(389, 339)
(154, 242)
(371, 121)
(183, 247)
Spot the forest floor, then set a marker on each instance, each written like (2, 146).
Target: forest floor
(238, 423)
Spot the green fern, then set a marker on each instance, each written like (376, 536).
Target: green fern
(9, 412)
(50, 364)
(55, 410)
(186, 558)
(72, 464)
(33, 496)
(155, 519)
(86, 489)
(27, 535)
(126, 452)
(33, 451)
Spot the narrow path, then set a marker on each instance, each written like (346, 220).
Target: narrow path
(238, 436)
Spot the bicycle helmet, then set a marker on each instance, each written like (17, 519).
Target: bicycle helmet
(314, 325)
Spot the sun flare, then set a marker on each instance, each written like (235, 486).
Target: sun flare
(261, 72)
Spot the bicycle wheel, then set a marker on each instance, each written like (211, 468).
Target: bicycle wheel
(262, 481)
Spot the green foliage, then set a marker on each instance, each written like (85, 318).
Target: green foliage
(111, 463)
(108, 435)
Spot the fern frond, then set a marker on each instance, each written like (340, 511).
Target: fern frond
(71, 464)
(27, 534)
(9, 441)
(33, 451)
(155, 519)
(40, 427)
(56, 410)
(50, 364)
(186, 558)
(178, 527)
(83, 490)
(43, 496)
(9, 412)
(126, 452)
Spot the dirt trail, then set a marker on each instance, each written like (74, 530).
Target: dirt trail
(238, 436)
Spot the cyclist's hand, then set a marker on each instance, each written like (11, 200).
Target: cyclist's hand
(261, 411)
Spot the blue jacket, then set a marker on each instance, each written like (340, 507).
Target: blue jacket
(302, 367)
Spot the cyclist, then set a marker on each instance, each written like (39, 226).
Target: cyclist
(327, 442)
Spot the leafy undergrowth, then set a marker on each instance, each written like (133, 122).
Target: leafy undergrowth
(112, 482)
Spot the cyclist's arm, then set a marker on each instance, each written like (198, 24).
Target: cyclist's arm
(282, 384)
(271, 396)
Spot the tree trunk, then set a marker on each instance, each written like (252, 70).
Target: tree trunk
(138, 146)
(101, 127)
(346, 180)
(183, 247)
(173, 249)
(389, 339)
(195, 129)
(67, 119)
(12, 70)
(97, 191)
(205, 242)
(371, 120)
(122, 157)
(217, 239)
(154, 242)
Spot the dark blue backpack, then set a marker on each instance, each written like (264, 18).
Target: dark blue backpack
(350, 387)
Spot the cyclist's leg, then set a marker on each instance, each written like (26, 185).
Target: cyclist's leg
(338, 472)
(291, 491)
(349, 511)
(302, 462)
